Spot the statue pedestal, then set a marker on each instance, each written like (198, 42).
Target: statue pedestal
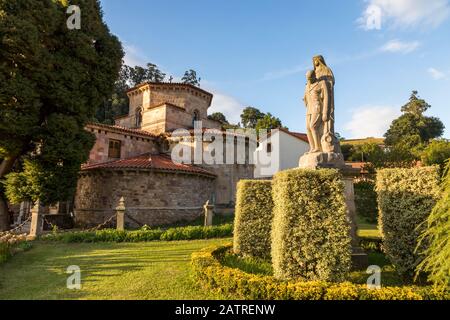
(336, 161)
(322, 160)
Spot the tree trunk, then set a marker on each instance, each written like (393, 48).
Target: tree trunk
(5, 167)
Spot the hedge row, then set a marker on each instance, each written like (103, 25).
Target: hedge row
(174, 234)
(253, 220)
(211, 274)
(311, 232)
(406, 198)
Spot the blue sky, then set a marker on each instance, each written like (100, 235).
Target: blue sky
(256, 53)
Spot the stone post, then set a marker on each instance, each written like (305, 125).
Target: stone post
(209, 214)
(37, 221)
(351, 209)
(120, 215)
(360, 259)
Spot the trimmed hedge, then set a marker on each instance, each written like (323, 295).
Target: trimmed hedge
(174, 234)
(311, 232)
(366, 200)
(253, 220)
(405, 198)
(236, 284)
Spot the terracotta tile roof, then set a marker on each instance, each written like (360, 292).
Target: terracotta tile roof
(298, 135)
(165, 104)
(157, 162)
(119, 129)
(358, 165)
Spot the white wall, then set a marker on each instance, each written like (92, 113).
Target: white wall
(286, 153)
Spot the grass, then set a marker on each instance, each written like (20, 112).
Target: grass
(154, 270)
(367, 230)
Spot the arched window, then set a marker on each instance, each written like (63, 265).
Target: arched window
(138, 117)
(195, 117)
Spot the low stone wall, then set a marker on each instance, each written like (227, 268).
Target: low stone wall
(151, 197)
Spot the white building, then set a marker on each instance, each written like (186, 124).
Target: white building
(278, 151)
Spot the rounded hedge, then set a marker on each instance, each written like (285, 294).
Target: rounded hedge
(253, 220)
(406, 198)
(311, 232)
(236, 284)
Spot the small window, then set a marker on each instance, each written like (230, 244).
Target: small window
(114, 149)
(195, 117)
(269, 148)
(138, 117)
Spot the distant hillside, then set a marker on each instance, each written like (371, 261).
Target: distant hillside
(379, 141)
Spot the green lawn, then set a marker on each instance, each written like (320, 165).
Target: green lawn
(367, 230)
(154, 270)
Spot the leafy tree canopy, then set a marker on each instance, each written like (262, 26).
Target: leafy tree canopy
(413, 128)
(52, 79)
(268, 122)
(190, 77)
(218, 116)
(250, 117)
(436, 153)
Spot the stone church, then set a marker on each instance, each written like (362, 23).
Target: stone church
(132, 159)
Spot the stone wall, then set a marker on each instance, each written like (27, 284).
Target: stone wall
(152, 198)
(130, 145)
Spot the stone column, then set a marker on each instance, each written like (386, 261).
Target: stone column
(351, 209)
(37, 221)
(120, 215)
(360, 259)
(209, 214)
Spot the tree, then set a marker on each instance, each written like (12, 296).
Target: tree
(190, 77)
(52, 78)
(250, 117)
(413, 128)
(117, 103)
(138, 75)
(268, 122)
(218, 116)
(436, 153)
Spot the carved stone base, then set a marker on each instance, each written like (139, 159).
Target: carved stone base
(322, 160)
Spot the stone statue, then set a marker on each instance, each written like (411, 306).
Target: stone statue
(325, 149)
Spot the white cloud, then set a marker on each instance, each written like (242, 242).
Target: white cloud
(436, 74)
(405, 13)
(371, 121)
(134, 56)
(397, 46)
(273, 75)
(228, 105)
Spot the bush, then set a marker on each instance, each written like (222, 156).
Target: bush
(436, 153)
(11, 244)
(236, 284)
(253, 221)
(406, 198)
(311, 232)
(143, 235)
(437, 234)
(366, 201)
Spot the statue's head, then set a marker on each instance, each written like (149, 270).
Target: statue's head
(318, 61)
(310, 76)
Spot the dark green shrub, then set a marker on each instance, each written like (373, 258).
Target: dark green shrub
(145, 235)
(253, 221)
(311, 233)
(405, 198)
(210, 273)
(366, 200)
